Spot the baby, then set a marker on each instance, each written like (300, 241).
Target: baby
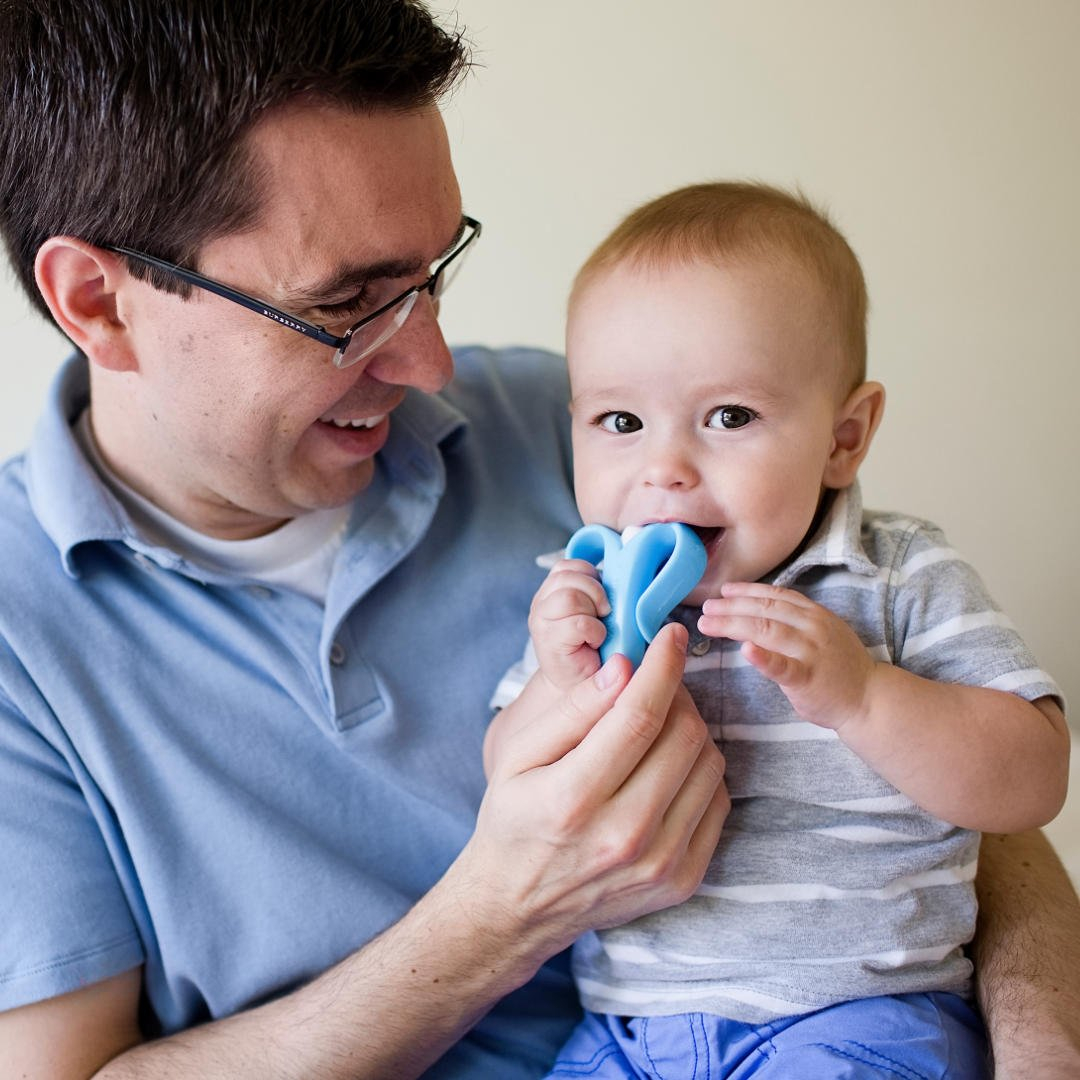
(874, 706)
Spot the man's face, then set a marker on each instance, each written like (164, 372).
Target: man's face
(705, 394)
(234, 423)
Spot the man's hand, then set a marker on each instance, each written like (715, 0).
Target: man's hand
(604, 803)
(564, 622)
(812, 654)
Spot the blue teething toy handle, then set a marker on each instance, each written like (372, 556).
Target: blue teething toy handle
(644, 579)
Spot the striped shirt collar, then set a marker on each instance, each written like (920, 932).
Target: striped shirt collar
(837, 541)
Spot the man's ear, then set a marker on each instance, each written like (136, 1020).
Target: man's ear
(79, 283)
(856, 421)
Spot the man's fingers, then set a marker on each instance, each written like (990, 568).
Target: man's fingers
(614, 788)
(561, 720)
(602, 728)
(680, 771)
(618, 743)
(663, 825)
(706, 831)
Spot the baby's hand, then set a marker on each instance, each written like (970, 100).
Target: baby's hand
(565, 625)
(817, 660)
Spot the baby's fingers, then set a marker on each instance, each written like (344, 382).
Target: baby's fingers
(761, 591)
(778, 619)
(783, 670)
(572, 584)
(770, 629)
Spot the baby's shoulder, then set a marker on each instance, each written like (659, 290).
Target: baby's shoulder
(891, 538)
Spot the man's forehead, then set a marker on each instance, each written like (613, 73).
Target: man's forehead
(342, 190)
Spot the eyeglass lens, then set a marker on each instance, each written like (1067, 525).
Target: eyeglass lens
(367, 338)
(371, 335)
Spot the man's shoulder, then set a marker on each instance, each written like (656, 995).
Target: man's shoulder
(12, 472)
(515, 370)
(34, 613)
(515, 400)
(20, 530)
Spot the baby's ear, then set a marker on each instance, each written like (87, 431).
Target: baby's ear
(856, 421)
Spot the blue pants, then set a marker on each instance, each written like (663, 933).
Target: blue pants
(910, 1037)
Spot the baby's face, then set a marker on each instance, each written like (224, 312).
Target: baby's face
(706, 394)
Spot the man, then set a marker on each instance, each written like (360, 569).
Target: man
(257, 593)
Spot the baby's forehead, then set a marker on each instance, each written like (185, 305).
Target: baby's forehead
(779, 266)
(630, 286)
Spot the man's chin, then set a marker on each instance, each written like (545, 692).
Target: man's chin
(333, 492)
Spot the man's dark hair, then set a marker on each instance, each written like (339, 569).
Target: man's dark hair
(124, 121)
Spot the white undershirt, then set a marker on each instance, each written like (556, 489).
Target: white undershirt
(298, 555)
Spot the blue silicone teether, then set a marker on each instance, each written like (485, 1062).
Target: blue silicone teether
(644, 578)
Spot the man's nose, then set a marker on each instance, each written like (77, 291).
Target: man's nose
(417, 355)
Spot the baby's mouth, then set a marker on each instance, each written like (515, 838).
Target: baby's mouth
(710, 536)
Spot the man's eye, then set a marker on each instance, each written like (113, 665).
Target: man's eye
(619, 423)
(730, 417)
(355, 307)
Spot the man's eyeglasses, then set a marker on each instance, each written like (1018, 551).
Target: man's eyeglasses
(365, 335)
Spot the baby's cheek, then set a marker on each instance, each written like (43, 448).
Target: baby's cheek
(707, 588)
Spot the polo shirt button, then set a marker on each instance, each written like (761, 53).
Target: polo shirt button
(337, 654)
(261, 592)
(701, 647)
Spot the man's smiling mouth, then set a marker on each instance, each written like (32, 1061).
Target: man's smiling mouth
(364, 422)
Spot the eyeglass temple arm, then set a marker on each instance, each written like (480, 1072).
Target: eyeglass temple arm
(193, 277)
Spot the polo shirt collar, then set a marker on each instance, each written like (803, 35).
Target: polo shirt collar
(837, 542)
(66, 495)
(422, 428)
(74, 507)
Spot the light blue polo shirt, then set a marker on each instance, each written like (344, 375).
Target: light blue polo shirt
(227, 782)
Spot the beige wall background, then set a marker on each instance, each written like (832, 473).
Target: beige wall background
(941, 135)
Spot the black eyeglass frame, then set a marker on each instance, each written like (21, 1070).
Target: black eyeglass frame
(293, 322)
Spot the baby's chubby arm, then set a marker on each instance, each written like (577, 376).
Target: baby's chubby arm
(980, 759)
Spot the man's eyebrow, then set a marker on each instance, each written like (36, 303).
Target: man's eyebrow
(459, 232)
(346, 280)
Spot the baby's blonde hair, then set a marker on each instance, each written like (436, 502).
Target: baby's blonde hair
(732, 220)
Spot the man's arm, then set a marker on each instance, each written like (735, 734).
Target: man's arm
(1027, 958)
(608, 804)
(74, 1034)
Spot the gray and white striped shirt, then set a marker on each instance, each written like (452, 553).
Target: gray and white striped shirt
(828, 884)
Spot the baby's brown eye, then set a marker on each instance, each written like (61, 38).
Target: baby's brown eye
(730, 417)
(620, 423)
